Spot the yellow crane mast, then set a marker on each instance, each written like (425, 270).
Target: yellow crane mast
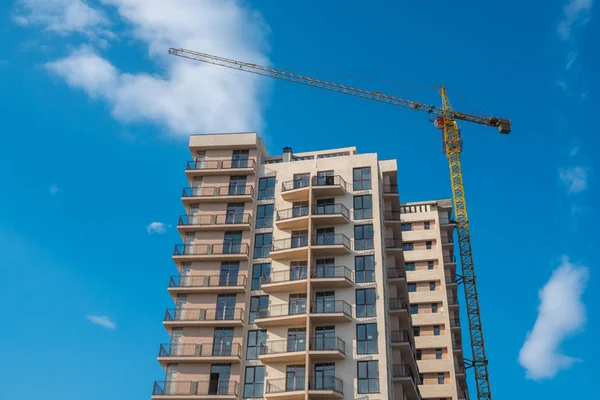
(445, 120)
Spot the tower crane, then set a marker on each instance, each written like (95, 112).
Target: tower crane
(446, 121)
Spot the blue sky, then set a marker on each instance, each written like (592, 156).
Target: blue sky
(95, 124)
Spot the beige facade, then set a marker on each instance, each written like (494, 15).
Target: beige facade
(291, 280)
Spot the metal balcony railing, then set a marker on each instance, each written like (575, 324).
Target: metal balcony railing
(460, 369)
(447, 240)
(447, 221)
(325, 343)
(450, 260)
(211, 249)
(454, 322)
(289, 213)
(331, 209)
(282, 310)
(282, 385)
(450, 279)
(200, 350)
(397, 304)
(331, 239)
(401, 336)
(326, 383)
(393, 243)
(391, 215)
(396, 273)
(295, 184)
(293, 274)
(213, 191)
(318, 306)
(283, 346)
(452, 301)
(220, 164)
(290, 243)
(214, 219)
(335, 180)
(197, 281)
(195, 388)
(404, 371)
(331, 272)
(204, 314)
(390, 189)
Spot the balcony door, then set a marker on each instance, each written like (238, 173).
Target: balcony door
(171, 379)
(297, 304)
(324, 338)
(219, 379)
(239, 159)
(235, 213)
(229, 274)
(237, 184)
(232, 243)
(222, 342)
(325, 268)
(180, 307)
(196, 188)
(298, 270)
(299, 238)
(324, 178)
(301, 180)
(200, 158)
(325, 236)
(299, 209)
(193, 217)
(175, 345)
(184, 277)
(325, 206)
(225, 307)
(296, 339)
(294, 378)
(324, 376)
(188, 248)
(325, 302)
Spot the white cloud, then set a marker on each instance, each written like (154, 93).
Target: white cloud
(53, 189)
(576, 12)
(572, 56)
(102, 320)
(561, 313)
(156, 227)
(187, 96)
(574, 178)
(62, 16)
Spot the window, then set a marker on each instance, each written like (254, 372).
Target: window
(258, 307)
(365, 303)
(406, 227)
(324, 376)
(301, 180)
(364, 269)
(256, 340)
(266, 188)
(438, 354)
(325, 302)
(368, 377)
(432, 286)
(222, 342)
(419, 354)
(298, 270)
(232, 243)
(409, 266)
(235, 213)
(363, 207)
(436, 330)
(412, 287)
(264, 216)
(441, 377)
(297, 304)
(325, 178)
(239, 159)
(296, 339)
(237, 185)
(414, 308)
(325, 206)
(421, 378)
(228, 275)
(428, 245)
(219, 382)
(225, 307)
(299, 209)
(324, 338)
(299, 238)
(294, 378)
(324, 268)
(363, 237)
(416, 331)
(362, 178)
(427, 225)
(262, 245)
(366, 339)
(430, 265)
(407, 246)
(434, 308)
(325, 236)
(254, 382)
(260, 271)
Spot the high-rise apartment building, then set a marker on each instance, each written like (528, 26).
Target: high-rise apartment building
(296, 280)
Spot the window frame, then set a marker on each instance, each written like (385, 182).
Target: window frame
(366, 341)
(260, 275)
(252, 313)
(365, 304)
(414, 309)
(430, 265)
(439, 352)
(266, 192)
(413, 266)
(432, 286)
(434, 306)
(411, 287)
(368, 378)
(257, 342)
(426, 225)
(359, 184)
(366, 243)
(264, 249)
(360, 210)
(429, 244)
(365, 274)
(408, 246)
(260, 219)
(254, 383)
(439, 330)
(406, 227)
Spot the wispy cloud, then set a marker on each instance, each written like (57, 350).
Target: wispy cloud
(156, 227)
(576, 13)
(561, 313)
(53, 189)
(574, 179)
(102, 320)
(185, 96)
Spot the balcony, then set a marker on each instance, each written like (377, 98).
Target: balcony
(404, 374)
(199, 353)
(454, 323)
(295, 190)
(192, 390)
(292, 218)
(391, 216)
(332, 214)
(292, 280)
(220, 167)
(282, 315)
(180, 317)
(447, 223)
(396, 275)
(179, 284)
(283, 351)
(325, 311)
(450, 261)
(323, 348)
(326, 276)
(452, 302)
(393, 244)
(459, 369)
(390, 190)
(402, 338)
(329, 185)
(330, 244)
(215, 194)
(451, 280)
(447, 242)
(284, 389)
(214, 222)
(398, 305)
(292, 248)
(325, 387)
(220, 251)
